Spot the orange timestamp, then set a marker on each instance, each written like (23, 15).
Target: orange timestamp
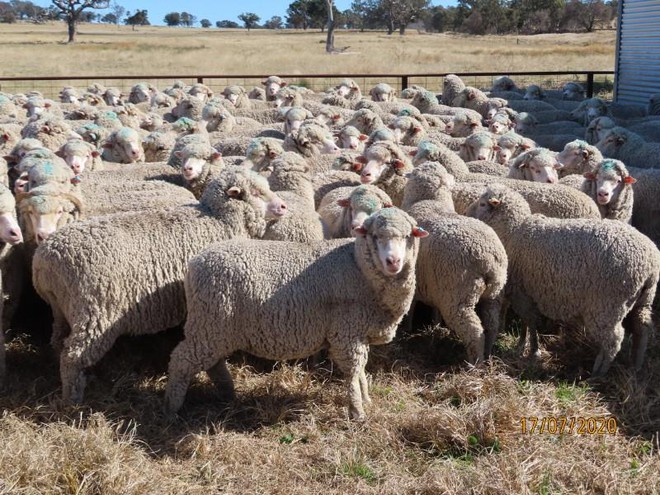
(569, 425)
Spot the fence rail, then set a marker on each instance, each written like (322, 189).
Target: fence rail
(593, 81)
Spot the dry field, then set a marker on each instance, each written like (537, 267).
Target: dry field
(29, 50)
(436, 426)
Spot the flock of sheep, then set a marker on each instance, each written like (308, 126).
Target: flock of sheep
(282, 222)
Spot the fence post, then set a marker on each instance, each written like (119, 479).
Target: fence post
(200, 80)
(590, 84)
(404, 82)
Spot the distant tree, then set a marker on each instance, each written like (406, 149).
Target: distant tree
(274, 22)
(140, 18)
(297, 15)
(109, 18)
(205, 23)
(118, 11)
(172, 19)
(7, 14)
(227, 24)
(330, 39)
(26, 10)
(72, 10)
(187, 19)
(249, 19)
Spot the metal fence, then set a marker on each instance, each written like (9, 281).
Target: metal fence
(596, 83)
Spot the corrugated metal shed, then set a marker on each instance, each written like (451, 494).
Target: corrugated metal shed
(637, 62)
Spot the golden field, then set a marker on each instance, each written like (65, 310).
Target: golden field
(436, 425)
(30, 50)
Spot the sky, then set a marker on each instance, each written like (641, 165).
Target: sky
(218, 10)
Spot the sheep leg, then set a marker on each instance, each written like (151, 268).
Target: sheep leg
(525, 307)
(489, 311)
(3, 366)
(60, 331)
(610, 344)
(466, 324)
(642, 324)
(187, 359)
(352, 363)
(364, 387)
(221, 378)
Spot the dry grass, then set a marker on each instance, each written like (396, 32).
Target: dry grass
(39, 50)
(435, 426)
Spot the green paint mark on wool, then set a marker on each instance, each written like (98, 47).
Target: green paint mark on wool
(608, 165)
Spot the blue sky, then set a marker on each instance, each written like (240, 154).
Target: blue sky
(219, 10)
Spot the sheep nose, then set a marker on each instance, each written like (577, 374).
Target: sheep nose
(551, 180)
(481, 157)
(15, 235)
(393, 263)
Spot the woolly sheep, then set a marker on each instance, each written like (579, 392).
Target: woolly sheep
(610, 186)
(537, 165)
(109, 120)
(200, 91)
(139, 93)
(481, 145)
(375, 286)
(385, 166)
(200, 163)
(290, 179)
(294, 117)
(576, 271)
(598, 129)
(534, 92)
(350, 138)
(461, 267)
(366, 121)
(463, 125)
(500, 124)
(123, 146)
(578, 157)
(530, 105)
(382, 92)
(345, 95)
(80, 155)
(261, 151)
(311, 139)
(573, 91)
(10, 281)
(407, 131)
(237, 97)
(101, 305)
(345, 209)
(555, 142)
(625, 145)
(452, 85)
(112, 97)
(8, 108)
(272, 86)
(325, 182)
(52, 131)
(589, 110)
(158, 146)
(511, 145)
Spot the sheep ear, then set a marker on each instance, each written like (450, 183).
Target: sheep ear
(234, 192)
(473, 124)
(398, 164)
(272, 155)
(391, 126)
(494, 202)
(107, 145)
(497, 148)
(585, 154)
(419, 232)
(629, 180)
(525, 147)
(388, 205)
(589, 175)
(95, 154)
(60, 153)
(416, 130)
(361, 230)
(344, 203)
(363, 137)
(216, 156)
(361, 159)
(412, 153)
(282, 84)
(263, 82)
(357, 167)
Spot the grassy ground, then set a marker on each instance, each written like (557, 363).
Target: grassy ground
(39, 50)
(435, 426)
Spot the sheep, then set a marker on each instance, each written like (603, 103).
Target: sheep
(325, 182)
(598, 128)
(350, 138)
(37, 105)
(525, 123)
(573, 91)
(463, 125)
(140, 92)
(475, 100)
(80, 155)
(548, 116)
(237, 97)
(123, 146)
(8, 108)
(158, 146)
(93, 133)
(101, 305)
(200, 163)
(52, 131)
(553, 200)
(427, 102)
(646, 207)
(385, 166)
(109, 120)
(272, 86)
(407, 131)
(589, 110)
(345, 95)
(288, 97)
(530, 106)
(610, 186)
(555, 142)
(479, 146)
(112, 97)
(200, 91)
(190, 107)
(366, 121)
(182, 141)
(294, 117)
(500, 124)
(504, 83)
(290, 179)
(452, 85)
(344, 209)
(534, 92)
(537, 165)
(9, 136)
(578, 157)
(10, 278)
(261, 151)
(461, 267)
(625, 145)
(311, 139)
(487, 167)
(298, 281)
(382, 92)
(577, 271)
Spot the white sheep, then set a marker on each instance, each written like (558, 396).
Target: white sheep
(200, 163)
(123, 146)
(275, 286)
(625, 145)
(576, 271)
(351, 138)
(461, 267)
(482, 145)
(386, 165)
(538, 165)
(272, 86)
(117, 293)
(382, 92)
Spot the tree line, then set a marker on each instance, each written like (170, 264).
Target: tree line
(468, 16)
